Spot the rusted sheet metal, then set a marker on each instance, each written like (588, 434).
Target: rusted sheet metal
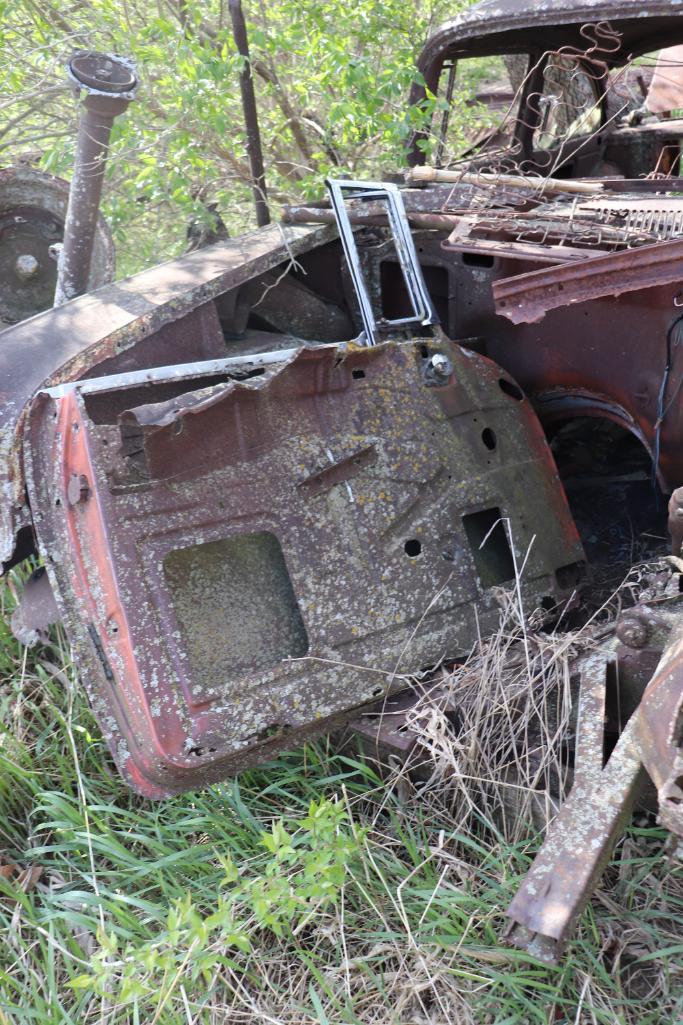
(517, 26)
(286, 304)
(387, 733)
(666, 88)
(126, 317)
(37, 610)
(675, 521)
(615, 31)
(604, 358)
(526, 298)
(241, 566)
(32, 213)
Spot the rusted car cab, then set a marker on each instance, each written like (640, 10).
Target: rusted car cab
(265, 496)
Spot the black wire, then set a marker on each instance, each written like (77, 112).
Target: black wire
(662, 410)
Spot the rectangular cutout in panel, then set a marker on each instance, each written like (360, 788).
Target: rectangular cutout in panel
(395, 301)
(492, 558)
(236, 607)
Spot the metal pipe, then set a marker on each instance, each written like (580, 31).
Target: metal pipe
(109, 82)
(445, 119)
(375, 216)
(254, 150)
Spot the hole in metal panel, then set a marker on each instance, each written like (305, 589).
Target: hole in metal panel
(358, 373)
(489, 438)
(510, 388)
(412, 547)
(492, 559)
(235, 605)
(394, 297)
(477, 260)
(570, 576)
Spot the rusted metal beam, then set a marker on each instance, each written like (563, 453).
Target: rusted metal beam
(561, 880)
(590, 726)
(660, 733)
(374, 215)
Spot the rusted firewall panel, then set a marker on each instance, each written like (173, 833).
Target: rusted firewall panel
(242, 565)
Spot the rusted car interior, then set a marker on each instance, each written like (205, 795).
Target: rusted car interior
(273, 481)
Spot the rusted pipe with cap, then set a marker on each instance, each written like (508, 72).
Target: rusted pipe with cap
(108, 82)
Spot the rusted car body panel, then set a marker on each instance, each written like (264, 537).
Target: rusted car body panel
(601, 36)
(131, 324)
(256, 522)
(259, 556)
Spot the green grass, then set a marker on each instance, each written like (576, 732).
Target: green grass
(401, 925)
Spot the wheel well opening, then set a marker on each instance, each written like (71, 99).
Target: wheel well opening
(620, 512)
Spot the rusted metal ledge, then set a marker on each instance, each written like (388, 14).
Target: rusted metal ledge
(526, 298)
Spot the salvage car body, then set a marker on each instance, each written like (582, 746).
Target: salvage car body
(257, 520)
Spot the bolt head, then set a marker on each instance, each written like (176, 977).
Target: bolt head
(441, 365)
(26, 267)
(632, 632)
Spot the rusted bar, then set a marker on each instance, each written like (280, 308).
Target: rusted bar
(446, 116)
(590, 727)
(660, 732)
(109, 82)
(373, 215)
(254, 150)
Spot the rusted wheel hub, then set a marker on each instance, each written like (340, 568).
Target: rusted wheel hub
(32, 210)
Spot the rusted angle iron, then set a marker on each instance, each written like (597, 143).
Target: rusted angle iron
(526, 298)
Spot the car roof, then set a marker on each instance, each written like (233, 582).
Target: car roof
(520, 26)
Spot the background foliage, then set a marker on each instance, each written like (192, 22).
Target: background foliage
(331, 79)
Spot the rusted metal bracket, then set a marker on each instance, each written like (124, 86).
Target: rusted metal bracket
(580, 840)
(562, 878)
